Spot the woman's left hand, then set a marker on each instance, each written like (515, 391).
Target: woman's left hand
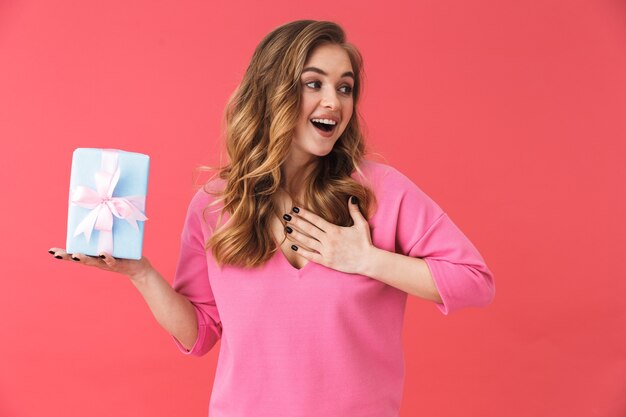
(341, 248)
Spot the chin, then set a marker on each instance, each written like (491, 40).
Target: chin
(315, 145)
(322, 150)
(322, 154)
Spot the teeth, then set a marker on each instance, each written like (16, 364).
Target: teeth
(325, 121)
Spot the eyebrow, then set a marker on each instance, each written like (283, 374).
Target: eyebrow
(319, 71)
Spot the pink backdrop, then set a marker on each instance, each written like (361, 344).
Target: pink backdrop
(509, 114)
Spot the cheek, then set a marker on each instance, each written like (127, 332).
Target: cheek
(348, 107)
(307, 105)
(304, 120)
(348, 110)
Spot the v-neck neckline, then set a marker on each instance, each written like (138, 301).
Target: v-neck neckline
(286, 260)
(284, 257)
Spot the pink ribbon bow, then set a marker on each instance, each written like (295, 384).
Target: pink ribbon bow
(104, 206)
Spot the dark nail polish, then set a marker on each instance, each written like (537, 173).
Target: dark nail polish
(294, 247)
(58, 257)
(296, 210)
(51, 251)
(288, 229)
(287, 217)
(102, 256)
(354, 200)
(75, 259)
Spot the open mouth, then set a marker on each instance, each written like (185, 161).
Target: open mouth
(323, 126)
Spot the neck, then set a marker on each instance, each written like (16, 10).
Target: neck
(293, 174)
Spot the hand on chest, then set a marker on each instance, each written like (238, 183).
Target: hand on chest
(279, 233)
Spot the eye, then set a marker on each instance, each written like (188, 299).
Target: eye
(312, 82)
(349, 89)
(345, 89)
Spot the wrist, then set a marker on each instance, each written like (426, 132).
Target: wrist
(369, 261)
(141, 275)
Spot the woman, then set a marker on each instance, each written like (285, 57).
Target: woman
(278, 260)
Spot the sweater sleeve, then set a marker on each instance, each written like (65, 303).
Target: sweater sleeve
(192, 279)
(425, 231)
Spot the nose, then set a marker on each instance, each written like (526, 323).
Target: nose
(330, 99)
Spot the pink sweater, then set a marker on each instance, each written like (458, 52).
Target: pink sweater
(316, 342)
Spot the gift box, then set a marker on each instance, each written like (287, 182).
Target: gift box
(107, 202)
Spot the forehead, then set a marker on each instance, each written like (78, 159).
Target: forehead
(330, 58)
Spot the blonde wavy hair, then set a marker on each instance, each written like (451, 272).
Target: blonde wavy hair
(260, 120)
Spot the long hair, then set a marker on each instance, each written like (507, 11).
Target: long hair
(260, 119)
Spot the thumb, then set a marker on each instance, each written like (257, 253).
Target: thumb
(353, 206)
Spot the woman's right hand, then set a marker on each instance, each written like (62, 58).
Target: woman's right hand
(134, 269)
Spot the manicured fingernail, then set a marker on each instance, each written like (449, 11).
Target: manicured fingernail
(296, 210)
(58, 257)
(354, 200)
(51, 251)
(288, 229)
(75, 258)
(102, 256)
(294, 247)
(287, 217)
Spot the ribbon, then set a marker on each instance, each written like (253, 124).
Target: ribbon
(104, 206)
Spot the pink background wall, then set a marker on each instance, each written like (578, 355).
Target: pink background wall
(510, 115)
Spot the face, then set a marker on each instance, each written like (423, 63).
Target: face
(327, 81)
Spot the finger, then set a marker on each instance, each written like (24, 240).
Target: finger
(59, 253)
(304, 226)
(307, 254)
(110, 261)
(88, 260)
(299, 237)
(355, 212)
(312, 218)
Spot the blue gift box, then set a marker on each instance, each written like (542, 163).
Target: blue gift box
(106, 212)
